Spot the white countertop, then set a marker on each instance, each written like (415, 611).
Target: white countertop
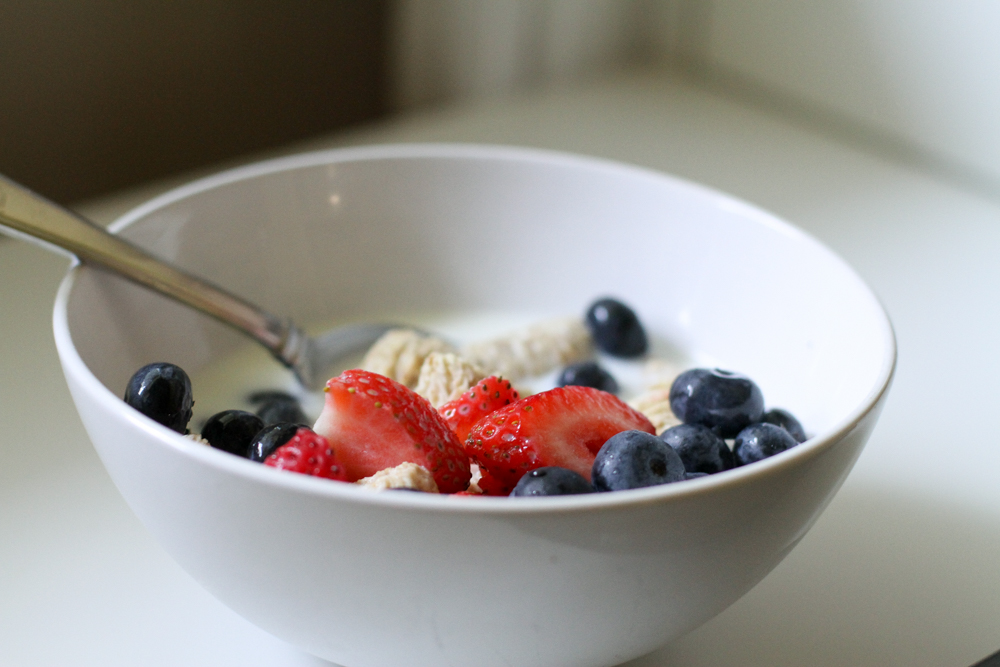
(900, 570)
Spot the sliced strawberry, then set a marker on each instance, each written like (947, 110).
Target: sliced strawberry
(560, 427)
(308, 453)
(376, 423)
(483, 398)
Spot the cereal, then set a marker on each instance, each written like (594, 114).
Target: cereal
(657, 372)
(197, 438)
(533, 350)
(444, 376)
(477, 475)
(399, 354)
(404, 476)
(420, 405)
(655, 404)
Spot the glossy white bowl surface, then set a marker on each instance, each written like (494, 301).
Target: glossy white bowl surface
(367, 579)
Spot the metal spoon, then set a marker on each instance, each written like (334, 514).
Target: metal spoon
(37, 219)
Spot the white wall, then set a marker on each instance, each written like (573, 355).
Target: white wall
(922, 74)
(460, 49)
(473, 49)
(925, 71)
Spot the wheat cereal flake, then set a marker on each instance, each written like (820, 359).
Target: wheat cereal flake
(404, 476)
(445, 377)
(655, 404)
(399, 354)
(534, 350)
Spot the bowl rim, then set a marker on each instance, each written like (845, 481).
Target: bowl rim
(74, 365)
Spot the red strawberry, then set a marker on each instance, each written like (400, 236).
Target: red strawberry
(377, 423)
(560, 427)
(308, 453)
(483, 398)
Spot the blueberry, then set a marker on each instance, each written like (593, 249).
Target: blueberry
(635, 459)
(785, 420)
(588, 374)
(162, 392)
(616, 329)
(265, 395)
(759, 441)
(694, 475)
(232, 431)
(723, 401)
(699, 448)
(281, 410)
(269, 439)
(275, 406)
(551, 481)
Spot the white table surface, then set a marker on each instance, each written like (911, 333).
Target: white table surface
(902, 569)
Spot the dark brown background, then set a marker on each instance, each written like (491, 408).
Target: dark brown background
(96, 95)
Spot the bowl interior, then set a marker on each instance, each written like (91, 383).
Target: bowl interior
(373, 233)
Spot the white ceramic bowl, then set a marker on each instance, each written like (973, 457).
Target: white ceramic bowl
(369, 579)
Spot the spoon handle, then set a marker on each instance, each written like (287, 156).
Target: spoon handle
(28, 213)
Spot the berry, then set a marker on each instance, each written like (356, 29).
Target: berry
(699, 448)
(232, 431)
(695, 475)
(162, 392)
(633, 460)
(307, 453)
(787, 421)
(480, 400)
(376, 423)
(561, 427)
(264, 395)
(551, 481)
(759, 441)
(588, 374)
(723, 401)
(616, 329)
(269, 439)
(277, 406)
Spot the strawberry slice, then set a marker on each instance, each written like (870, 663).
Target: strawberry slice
(563, 427)
(480, 400)
(376, 423)
(308, 453)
